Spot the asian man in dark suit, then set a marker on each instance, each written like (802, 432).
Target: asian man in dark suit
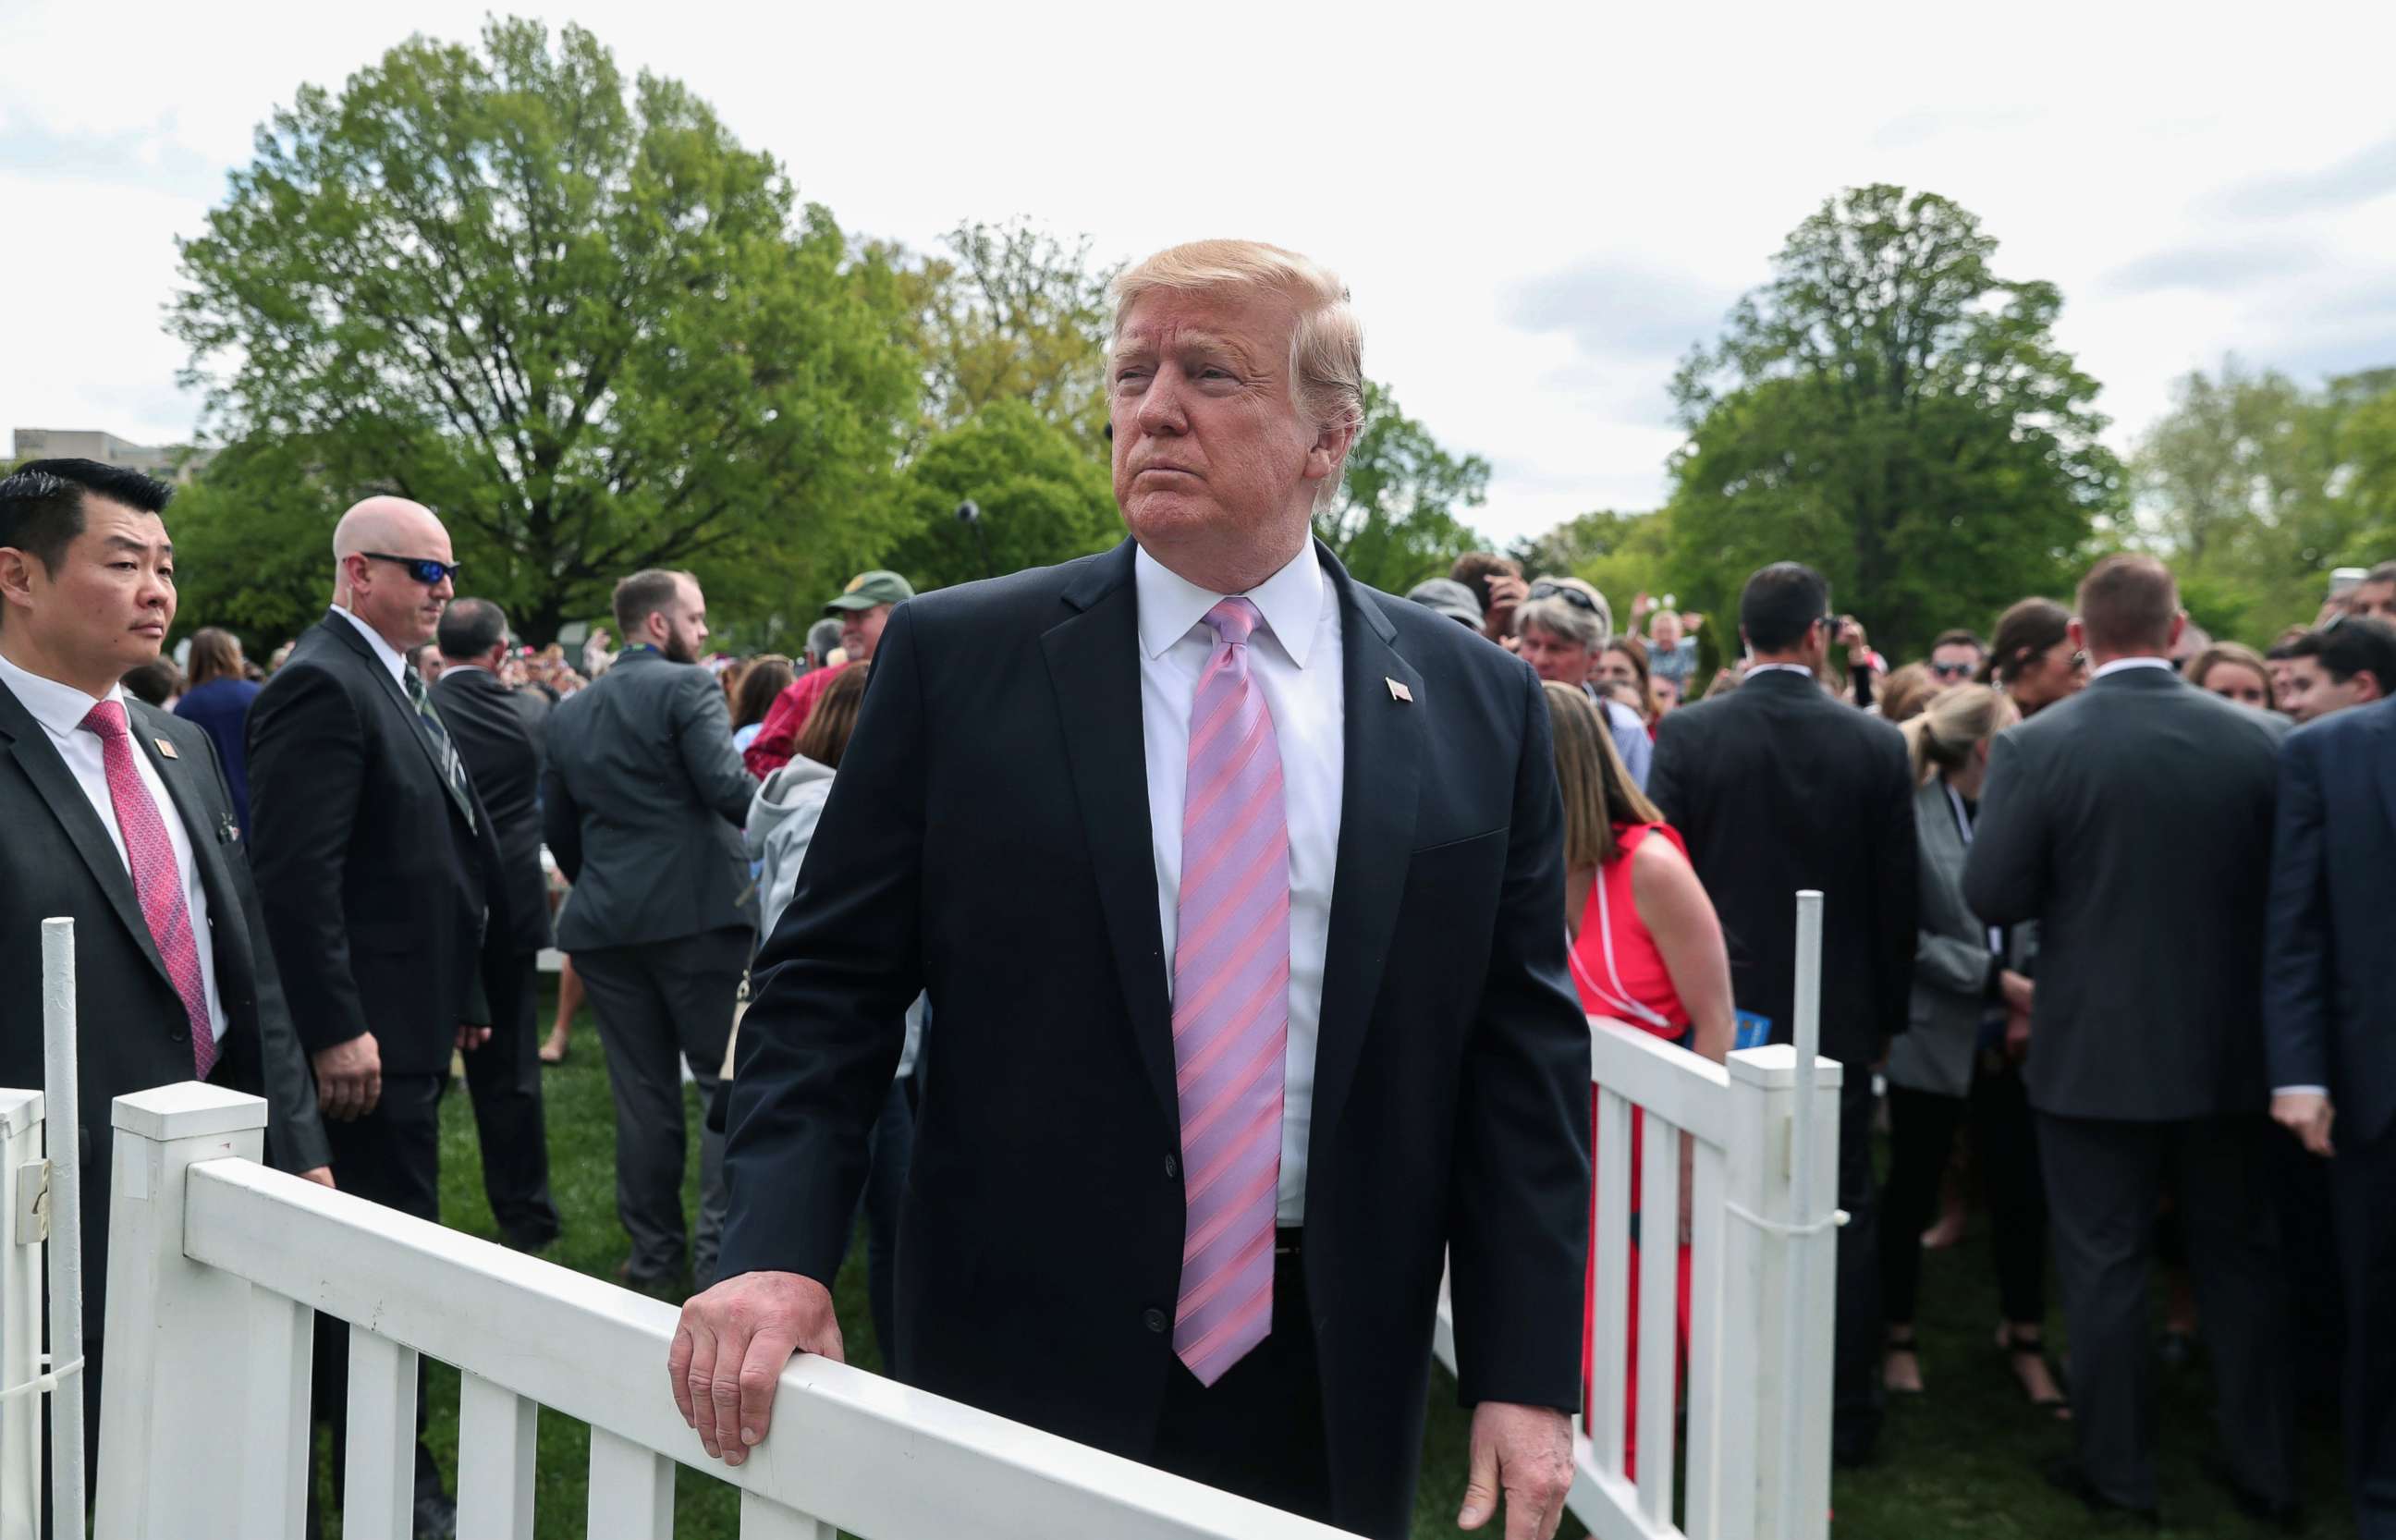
(1235, 884)
(383, 886)
(118, 818)
(503, 760)
(2329, 1042)
(1778, 786)
(2133, 821)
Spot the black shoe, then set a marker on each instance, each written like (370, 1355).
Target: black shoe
(2066, 1475)
(2285, 1514)
(436, 1517)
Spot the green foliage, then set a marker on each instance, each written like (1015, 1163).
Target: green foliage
(1890, 410)
(1044, 498)
(584, 325)
(1395, 522)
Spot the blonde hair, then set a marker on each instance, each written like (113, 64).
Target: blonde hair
(1958, 720)
(1598, 790)
(1326, 345)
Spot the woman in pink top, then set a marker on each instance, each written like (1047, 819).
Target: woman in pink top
(1646, 948)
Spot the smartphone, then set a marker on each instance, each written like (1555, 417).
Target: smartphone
(2344, 581)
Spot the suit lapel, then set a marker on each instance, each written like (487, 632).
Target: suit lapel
(409, 716)
(1384, 745)
(40, 761)
(202, 827)
(1094, 664)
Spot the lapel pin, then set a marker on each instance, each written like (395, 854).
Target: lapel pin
(164, 748)
(1398, 691)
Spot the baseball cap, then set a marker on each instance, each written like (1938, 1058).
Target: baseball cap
(1449, 597)
(869, 589)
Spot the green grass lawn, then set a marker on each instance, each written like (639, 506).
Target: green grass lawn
(1961, 1462)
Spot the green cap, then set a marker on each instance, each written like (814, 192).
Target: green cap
(869, 589)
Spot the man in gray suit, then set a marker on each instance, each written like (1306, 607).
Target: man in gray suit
(642, 801)
(2134, 822)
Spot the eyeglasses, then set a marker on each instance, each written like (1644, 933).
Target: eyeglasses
(1572, 596)
(424, 569)
(1952, 671)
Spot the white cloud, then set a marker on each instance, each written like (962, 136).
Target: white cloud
(1530, 206)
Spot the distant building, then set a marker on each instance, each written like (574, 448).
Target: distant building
(168, 462)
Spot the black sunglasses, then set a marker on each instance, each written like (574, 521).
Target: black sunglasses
(1953, 671)
(424, 569)
(1572, 596)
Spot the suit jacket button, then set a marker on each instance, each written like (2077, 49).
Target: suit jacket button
(1153, 1320)
(1172, 1168)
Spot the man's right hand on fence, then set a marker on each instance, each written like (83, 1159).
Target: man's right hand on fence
(729, 1351)
(349, 1078)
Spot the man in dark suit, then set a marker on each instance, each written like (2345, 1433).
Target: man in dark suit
(504, 1075)
(2329, 978)
(1778, 786)
(382, 882)
(643, 802)
(117, 817)
(2133, 822)
(1235, 885)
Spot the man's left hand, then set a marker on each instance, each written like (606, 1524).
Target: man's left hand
(321, 1176)
(1525, 1453)
(470, 1037)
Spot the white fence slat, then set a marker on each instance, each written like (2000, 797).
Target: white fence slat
(274, 1451)
(378, 1481)
(496, 1450)
(1610, 1299)
(1643, 1068)
(762, 1519)
(1702, 1504)
(1660, 1254)
(20, 1316)
(631, 1491)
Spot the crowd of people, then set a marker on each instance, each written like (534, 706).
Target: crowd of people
(1027, 887)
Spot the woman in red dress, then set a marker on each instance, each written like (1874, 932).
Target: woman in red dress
(1646, 948)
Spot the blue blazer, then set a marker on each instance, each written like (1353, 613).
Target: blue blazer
(220, 709)
(2329, 994)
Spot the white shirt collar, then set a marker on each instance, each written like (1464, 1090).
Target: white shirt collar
(2119, 664)
(1783, 667)
(448, 668)
(392, 658)
(1291, 601)
(59, 707)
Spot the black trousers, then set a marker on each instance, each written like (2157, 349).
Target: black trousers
(1258, 1431)
(1922, 1134)
(503, 1076)
(659, 1003)
(391, 1156)
(2103, 1180)
(2362, 1180)
(1857, 1398)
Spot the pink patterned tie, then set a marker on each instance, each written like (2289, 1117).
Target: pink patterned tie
(1230, 1006)
(156, 880)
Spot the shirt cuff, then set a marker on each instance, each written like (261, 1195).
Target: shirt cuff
(2321, 1091)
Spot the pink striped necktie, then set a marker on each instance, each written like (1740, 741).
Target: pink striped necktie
(1230, 1006)
(157, 882)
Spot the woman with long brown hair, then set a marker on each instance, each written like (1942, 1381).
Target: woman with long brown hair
(2032, 657)
(217, 702)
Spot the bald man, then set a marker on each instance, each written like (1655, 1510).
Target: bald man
(379, 872)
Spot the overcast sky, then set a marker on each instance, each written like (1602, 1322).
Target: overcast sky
(1537, 212)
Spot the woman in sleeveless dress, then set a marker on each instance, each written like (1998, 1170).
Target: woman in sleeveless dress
(1646, 948)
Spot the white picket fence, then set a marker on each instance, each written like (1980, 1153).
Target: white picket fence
(1762, 1274)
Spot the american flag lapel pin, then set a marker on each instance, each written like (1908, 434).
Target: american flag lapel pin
(1398, 691)
(166, 747)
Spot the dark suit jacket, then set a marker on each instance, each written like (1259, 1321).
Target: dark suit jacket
(57, 860)
(2134, 822)
(497, 747)
(987, 838)
(1778, 786)
(643, 800)
(376, 887)
(2329, 981)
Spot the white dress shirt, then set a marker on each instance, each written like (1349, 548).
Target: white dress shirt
(2120, 663)
(1295, 658)
(60, 710)
(392, 658)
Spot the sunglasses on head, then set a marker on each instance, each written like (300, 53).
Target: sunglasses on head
(424, 569)
(1572, 596)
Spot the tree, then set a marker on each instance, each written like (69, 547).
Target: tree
(588, 327)
(1042, 496)
(1891, 411)
(1394, 523)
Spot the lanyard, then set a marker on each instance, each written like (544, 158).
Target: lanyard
(1963, 827)
(1617, 999)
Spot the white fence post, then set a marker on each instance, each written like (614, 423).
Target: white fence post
(178, 1332)
(21, 1314)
